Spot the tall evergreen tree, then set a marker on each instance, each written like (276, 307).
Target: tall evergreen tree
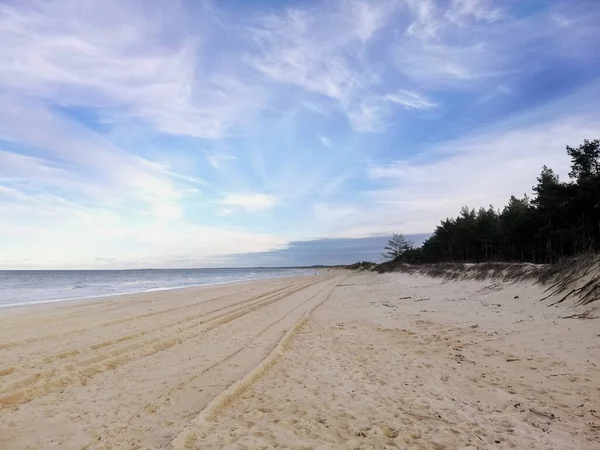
(560, 219)
(395, 247)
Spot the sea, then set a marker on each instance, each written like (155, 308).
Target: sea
(23, 287)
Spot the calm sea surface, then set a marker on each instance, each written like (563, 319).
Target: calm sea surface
(39, 286)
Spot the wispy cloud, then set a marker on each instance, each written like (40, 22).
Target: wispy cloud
(295, 49)
(63, 238)
(368, 116)
(122, 59)
(483, 10)
(410, 100)
(141, 132)
(77, 159)
(249, 202)
(415, 194)
(469, 43)
(326, 52)
(216, 158)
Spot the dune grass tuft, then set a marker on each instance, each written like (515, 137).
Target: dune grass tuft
(575, 278)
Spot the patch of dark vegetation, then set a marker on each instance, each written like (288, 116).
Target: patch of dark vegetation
(560, 219)
(362, 265)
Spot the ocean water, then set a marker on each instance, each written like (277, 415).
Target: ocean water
(19, 287)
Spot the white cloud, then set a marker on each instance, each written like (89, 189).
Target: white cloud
(325, 52)
(446, 45)
(37, 232)
(250, 202)
(477, 9)
(296, 49)
(126, 59)
(17, 167)
(369, 17)
(438, 64)
(363, 58)
(105, 109)
(368, 117)
(410, 100)
(485, 168)
(74, 159)
(216, 158)
(466, 44)
(424, 22)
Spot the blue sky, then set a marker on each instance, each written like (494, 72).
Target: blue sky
(198, 133)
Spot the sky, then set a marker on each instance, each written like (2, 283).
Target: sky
(243, 133)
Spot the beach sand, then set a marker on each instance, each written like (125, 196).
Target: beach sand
(338, 360)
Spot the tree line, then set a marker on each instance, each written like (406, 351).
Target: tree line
(560, 218)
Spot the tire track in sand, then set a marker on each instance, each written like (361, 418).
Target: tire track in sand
(48, 360)
(41, 384)
(70, 353)
(31, 340)
(210, 382)
(243, 384)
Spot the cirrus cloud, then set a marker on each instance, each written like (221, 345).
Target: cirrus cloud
(139, 133)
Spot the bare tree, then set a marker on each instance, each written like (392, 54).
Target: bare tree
(396, 246)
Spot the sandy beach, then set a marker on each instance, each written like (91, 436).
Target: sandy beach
(337, 360)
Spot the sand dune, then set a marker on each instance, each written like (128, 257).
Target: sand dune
(340, 360)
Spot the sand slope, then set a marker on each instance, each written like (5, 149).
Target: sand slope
(341, 360)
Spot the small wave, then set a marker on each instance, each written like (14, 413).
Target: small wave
(59, 286)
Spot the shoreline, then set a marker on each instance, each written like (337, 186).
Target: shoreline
(158, 289)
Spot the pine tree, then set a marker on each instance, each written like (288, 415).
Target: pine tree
(396, 246)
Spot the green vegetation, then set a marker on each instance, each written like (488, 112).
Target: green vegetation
(560, 219)
(396, 247)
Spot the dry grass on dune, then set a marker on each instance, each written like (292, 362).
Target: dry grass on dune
(576, 279)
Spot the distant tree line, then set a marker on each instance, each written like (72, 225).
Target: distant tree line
(560, 218)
